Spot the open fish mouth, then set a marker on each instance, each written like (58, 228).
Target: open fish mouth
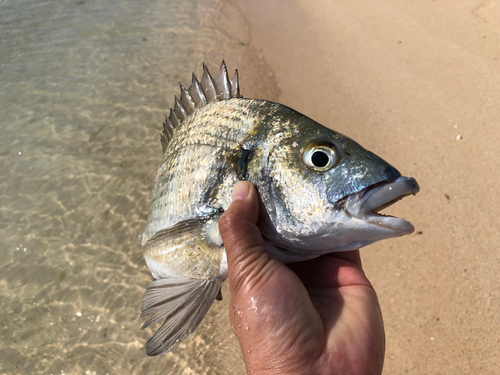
(367, 203)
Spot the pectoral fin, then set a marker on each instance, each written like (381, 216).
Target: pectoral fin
(191, 248)
(182, 302)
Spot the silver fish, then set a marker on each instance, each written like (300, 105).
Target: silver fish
(320, 192)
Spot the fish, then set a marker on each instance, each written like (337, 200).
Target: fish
(320, 192)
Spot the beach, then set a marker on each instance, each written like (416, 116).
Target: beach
(84, 90)
(418, 83)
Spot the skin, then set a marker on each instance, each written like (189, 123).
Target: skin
(316, 317)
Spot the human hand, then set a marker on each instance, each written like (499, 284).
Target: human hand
(320, 316)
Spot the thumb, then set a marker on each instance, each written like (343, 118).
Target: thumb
(245, 249)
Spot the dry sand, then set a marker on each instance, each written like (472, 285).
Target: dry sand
(418, 83)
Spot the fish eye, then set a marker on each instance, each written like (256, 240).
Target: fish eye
(320, 157)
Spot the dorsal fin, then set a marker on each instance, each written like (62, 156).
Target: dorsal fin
(199, 94)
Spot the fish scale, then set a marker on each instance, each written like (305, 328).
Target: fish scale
(319, 192)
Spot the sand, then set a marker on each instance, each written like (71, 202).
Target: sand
(418, 83)
(86, 87)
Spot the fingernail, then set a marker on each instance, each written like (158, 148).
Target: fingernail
(241, 190)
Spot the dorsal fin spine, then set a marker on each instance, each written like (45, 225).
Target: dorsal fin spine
(173, 118)
(168, 125)
(168, 128)
(235, 85)
(208, 85)
(222, 83)
(186, 100)
(179, 109)
(164, 141)
(198, 95)
(196, 92)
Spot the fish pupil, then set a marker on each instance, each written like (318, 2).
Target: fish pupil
(320, 159)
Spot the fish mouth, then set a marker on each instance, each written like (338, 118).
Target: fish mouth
(367, 203)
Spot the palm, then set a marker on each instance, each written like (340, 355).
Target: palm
(349, 311)
(325, 310)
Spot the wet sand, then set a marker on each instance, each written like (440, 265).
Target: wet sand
(418, 84)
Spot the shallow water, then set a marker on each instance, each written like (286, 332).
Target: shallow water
(84, 88)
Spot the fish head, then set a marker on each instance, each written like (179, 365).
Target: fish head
(321, 191)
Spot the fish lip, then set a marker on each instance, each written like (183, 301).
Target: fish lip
(368, 202)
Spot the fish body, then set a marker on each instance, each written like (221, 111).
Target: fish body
(319, 192)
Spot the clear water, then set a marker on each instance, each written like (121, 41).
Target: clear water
(84, 85)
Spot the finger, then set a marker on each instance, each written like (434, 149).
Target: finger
(351, 256)
(329, 271)
(245, 249)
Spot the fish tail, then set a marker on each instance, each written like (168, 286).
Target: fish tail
(182, 302)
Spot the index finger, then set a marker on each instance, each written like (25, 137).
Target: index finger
(352, 256)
